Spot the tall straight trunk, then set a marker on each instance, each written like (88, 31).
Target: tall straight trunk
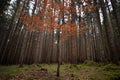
(58, 53)
(104, 45)
(9, 33)
(109, 35)
(3, 6)
(116, 13)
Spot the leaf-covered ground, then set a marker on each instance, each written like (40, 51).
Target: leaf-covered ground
(86, 71)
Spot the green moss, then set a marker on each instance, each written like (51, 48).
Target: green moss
(7, 72)
(111, 71)
(90, 63)
(111, 67)
(57, 78)
(88, 70)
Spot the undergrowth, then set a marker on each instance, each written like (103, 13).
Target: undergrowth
(89, 70)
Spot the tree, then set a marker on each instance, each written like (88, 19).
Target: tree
(4, 5)
(52, 18)
(56, 31)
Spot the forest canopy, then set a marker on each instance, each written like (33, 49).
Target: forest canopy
(50, 31)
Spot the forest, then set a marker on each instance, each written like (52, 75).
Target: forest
(60, 40)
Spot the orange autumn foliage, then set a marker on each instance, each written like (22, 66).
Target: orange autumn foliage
(48, 17)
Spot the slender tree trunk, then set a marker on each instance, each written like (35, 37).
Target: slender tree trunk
(58, 53)
(109, 35)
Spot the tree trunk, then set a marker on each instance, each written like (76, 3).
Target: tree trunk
(58, 53)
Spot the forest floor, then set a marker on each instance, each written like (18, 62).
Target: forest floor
(86, 71)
